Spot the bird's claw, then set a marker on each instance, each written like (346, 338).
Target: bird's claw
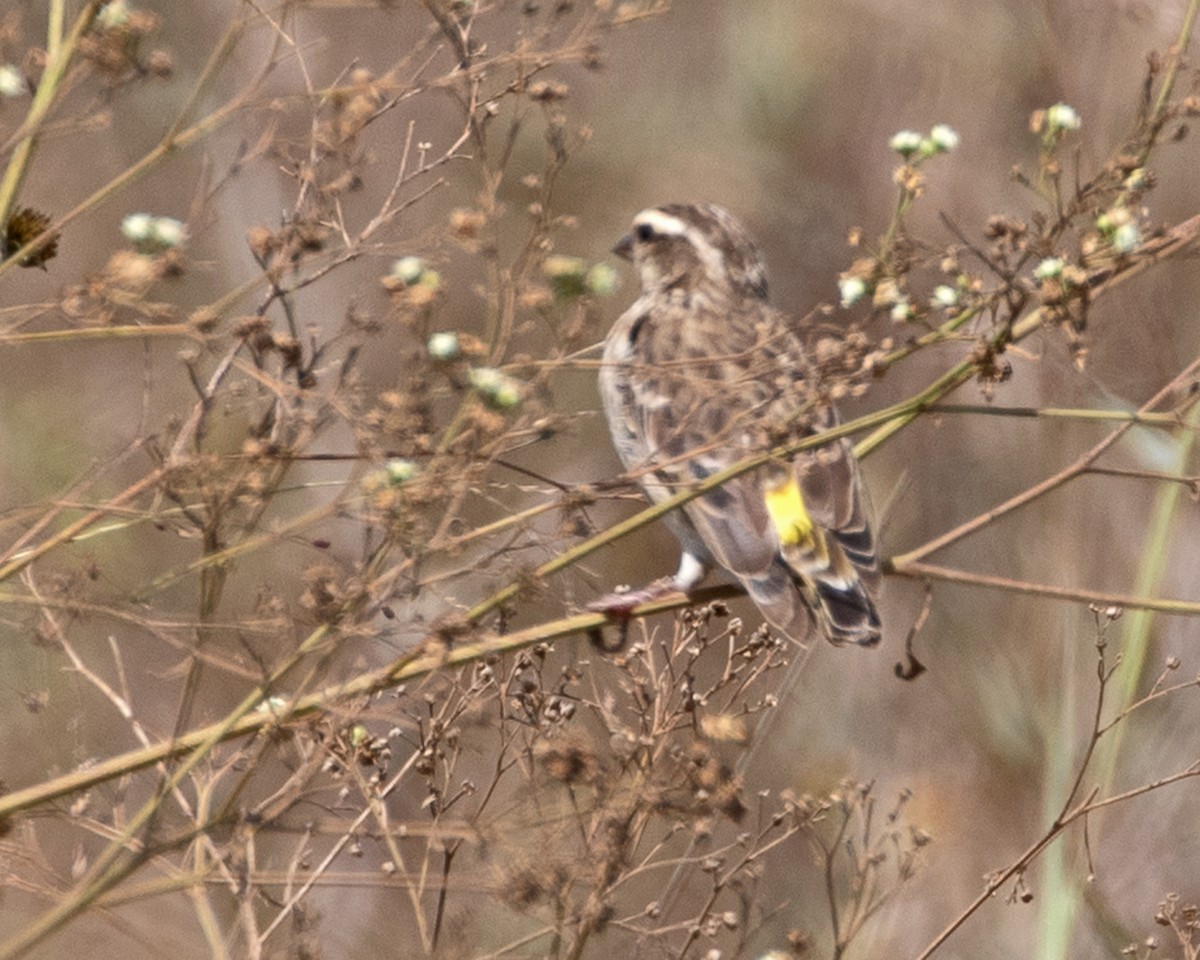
(619, 604)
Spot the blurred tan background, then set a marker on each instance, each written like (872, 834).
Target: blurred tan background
(780, 111)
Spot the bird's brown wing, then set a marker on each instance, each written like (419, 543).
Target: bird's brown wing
(686, 411)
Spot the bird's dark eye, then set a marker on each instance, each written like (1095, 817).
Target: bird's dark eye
(645, 232)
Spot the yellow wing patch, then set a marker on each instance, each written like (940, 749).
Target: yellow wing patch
(785, 504)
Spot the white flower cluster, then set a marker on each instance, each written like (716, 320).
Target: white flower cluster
(150, 234)
(911, 145)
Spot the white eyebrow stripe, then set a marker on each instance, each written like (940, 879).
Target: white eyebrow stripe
(667, 225)
(662, 223)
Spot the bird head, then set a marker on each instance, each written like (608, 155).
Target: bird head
(700, 245)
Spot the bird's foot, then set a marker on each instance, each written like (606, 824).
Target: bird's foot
(619, 604)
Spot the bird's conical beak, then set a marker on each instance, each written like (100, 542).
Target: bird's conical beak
(624, 247)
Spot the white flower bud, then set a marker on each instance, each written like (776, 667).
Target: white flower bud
(944, 296)
(138, 228)
(400, 471)
(12, 84)
(498, 390)
(167, 232)
(602, 279)
(1061, 117)
(485, 379)
(1049, 268)
(113, 15)
(567, 275)
(444, 345)
(944, 137)
(905, 143)
(408, 270)
(507, 396)
(1127, 237)
(851, 290)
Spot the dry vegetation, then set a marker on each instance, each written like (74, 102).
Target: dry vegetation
(304, 612)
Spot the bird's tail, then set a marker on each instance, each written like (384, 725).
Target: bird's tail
(836, 570)
(843, 609)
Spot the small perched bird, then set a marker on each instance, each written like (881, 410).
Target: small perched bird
(701, 372)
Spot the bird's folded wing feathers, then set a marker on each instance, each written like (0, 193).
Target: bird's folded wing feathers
(835, 500)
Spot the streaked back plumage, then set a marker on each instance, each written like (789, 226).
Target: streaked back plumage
(700, 372)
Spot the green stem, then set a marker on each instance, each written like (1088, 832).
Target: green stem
(58, 56)
(1139, 624)
(172, 142)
